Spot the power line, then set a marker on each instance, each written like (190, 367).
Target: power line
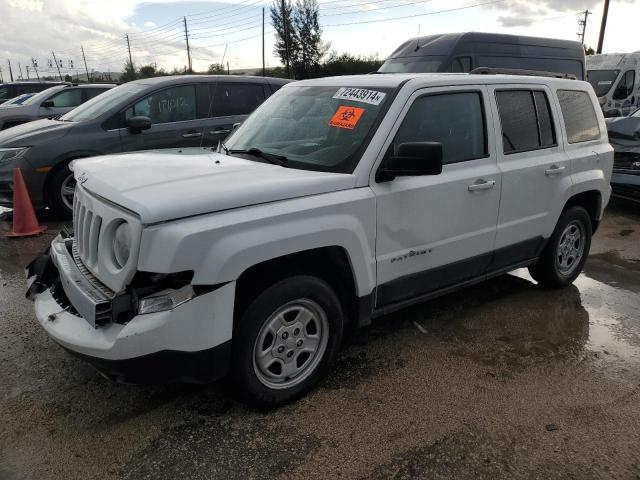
(415, 15)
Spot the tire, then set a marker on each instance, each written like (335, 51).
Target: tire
(566, 252)
(274, 360)
(61, 204)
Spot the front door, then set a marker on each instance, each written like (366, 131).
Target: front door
(174, 120)
(436, 231)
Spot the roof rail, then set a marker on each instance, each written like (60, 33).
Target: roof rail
(517, 71)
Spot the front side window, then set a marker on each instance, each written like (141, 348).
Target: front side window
(69, 97)
(580, 120)
(625, 86)
(236, 98)
(174, 104)
(602, 80)
(102, 104)
(315, 128)
(94, 92)
(525, 120)
(456, 120)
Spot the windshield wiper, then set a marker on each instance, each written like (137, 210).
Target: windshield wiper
(269, 157)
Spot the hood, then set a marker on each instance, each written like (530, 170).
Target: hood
(27, 134)
(170, 184)
(624, 133)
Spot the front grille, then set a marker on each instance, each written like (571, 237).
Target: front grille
(626, 161)
(97, 284)
(87, 227)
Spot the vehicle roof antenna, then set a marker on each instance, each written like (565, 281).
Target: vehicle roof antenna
(418, 40)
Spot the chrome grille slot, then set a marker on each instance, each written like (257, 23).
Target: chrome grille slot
(94, 236)
(87, 226)
(86, 231)
(78, 226)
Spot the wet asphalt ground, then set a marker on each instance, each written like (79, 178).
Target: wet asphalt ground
(502, 380)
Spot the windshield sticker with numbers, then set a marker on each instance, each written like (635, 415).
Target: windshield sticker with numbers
(360, 95)
(346, 117)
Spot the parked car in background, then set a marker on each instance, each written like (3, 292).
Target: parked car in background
(13, 89)
(19, 100)
(615, 77)
(463, 52)
(624, 136)
(161, 112)
(338, 200)
(49, 103)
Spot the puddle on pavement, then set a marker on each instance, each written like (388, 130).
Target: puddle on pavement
(613, 328)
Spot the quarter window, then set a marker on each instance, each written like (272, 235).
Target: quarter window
(174, 104)
(525, 119)
(236, 98)
(625, 86)
(456, 120)
(579, 117)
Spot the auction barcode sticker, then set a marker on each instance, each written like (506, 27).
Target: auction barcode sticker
(360, 95)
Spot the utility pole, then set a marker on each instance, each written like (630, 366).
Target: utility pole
(10, 71)
(186, 36)
(603, 25)
(1, 78)
(20, 69)
(286, 38)
(263, 69)
(57, 64)
(27, 69)
(85, 64)
(129, 48)
(228, 71)
(582, 25)
(34, 62)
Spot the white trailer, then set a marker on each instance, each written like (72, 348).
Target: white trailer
(614, 77)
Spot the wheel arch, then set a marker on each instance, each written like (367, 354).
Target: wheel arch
(59, 164)
(591, 201)
(329, 263)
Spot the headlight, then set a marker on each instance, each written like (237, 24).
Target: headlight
(165, 300)
(122, 244)
(9, 154)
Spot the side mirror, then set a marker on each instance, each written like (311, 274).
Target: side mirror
(138, 124)
(412, 159)
(47, 104)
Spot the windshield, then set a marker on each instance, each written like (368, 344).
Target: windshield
(40, 96)
(602, 80)
(430, 64)
(315, 128)
(103, 103)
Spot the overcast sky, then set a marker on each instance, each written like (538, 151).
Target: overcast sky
(36, 28)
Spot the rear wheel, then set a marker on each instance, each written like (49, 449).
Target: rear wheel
(60, 193)
(566, 252)
(285, 340)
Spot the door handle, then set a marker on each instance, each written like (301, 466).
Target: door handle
(481, 184)
(554, 170)
(191, 135)
(219, 131)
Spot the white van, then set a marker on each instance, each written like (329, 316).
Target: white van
(614, 77)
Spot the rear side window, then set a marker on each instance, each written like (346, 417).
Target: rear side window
(456, 120)
(579, 117)
(525, 119)
(94, 92)
(237, 98)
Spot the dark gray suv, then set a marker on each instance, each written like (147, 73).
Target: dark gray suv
(162, 112)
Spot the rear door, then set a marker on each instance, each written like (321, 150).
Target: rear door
(232, 103)
(535, 170)
(174, 116)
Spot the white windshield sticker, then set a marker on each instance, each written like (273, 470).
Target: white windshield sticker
(605, 82)
(360, 95)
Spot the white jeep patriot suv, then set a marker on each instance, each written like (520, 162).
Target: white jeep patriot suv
(338, 200)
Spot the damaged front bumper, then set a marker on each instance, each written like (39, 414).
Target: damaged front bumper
(191, 342)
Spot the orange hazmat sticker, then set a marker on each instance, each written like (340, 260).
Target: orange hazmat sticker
(346, 117)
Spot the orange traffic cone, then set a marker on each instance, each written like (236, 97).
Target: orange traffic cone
(25, 223)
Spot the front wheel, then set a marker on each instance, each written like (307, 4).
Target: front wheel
(566, 252)
(285, 340)
(60, 193)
